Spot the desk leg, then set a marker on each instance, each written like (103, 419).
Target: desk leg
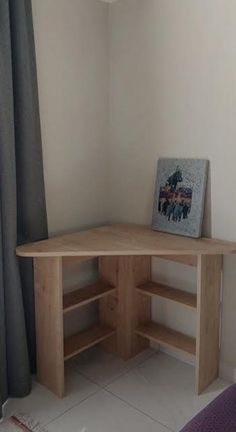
(49, 323)
(208, 319)
(125, 310)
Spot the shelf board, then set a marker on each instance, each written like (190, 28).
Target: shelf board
(167, 337)
(75, 344)
(157, 289)
(82, 296)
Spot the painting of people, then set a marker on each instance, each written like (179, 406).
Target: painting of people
(179, 196)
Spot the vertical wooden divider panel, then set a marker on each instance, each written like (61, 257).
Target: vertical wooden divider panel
(49, 323)
(108, 306)
(208, 319)
(124, 310)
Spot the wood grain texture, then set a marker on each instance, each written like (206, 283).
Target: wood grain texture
(114, 240)
(82, 296)
(86, 339)
(128, 308)
(208, 320)
(109, 306)
(124, 254)
(167, 337)
(49, 323)
(153, 289)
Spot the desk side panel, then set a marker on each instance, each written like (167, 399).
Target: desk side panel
(49, 323)
(208, 319)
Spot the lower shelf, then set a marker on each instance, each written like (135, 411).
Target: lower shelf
(167, 337)
(77, 343)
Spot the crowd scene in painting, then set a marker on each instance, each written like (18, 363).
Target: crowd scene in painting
(174, 209)
(175, 201)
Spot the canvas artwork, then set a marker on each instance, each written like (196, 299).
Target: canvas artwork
(179, 196)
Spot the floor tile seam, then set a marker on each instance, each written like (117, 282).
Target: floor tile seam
(72, 407)
(139, 410)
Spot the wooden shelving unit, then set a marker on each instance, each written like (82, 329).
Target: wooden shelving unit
(75, 344)
(77, 298)
(167, 337)
(82, 296)
(156, 332)
(157, 289)
(124, 293)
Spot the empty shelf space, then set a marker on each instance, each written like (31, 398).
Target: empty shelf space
(73, 260)
(174, 294)
(167, 337)
(190, 260)
(77, 343)
(82, 296)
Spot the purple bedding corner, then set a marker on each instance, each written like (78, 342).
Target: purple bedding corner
(219, 416)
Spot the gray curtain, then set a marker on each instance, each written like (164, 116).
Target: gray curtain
(22, 197)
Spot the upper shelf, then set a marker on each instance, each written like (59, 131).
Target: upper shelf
(125, 239)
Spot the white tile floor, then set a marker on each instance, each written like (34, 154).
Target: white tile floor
(153, 392)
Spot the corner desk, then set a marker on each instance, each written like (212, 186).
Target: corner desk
(124, 290)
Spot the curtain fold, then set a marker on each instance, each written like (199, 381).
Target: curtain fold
(22, 196)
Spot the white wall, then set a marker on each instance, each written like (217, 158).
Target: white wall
(173, 93)
(71, 39)
(72, 58)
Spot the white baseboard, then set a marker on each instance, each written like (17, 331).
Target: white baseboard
(226, 372)
(184, 357)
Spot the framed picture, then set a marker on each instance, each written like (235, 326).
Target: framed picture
(180, 196)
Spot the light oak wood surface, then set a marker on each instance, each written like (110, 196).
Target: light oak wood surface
(126, 239)
(129, 308)
(82, 296)
(86, 339)
(124, 293)
(153, 289)
(208, 320)
(49, 323)
(167, 337)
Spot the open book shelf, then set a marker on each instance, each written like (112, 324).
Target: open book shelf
(124, 292)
